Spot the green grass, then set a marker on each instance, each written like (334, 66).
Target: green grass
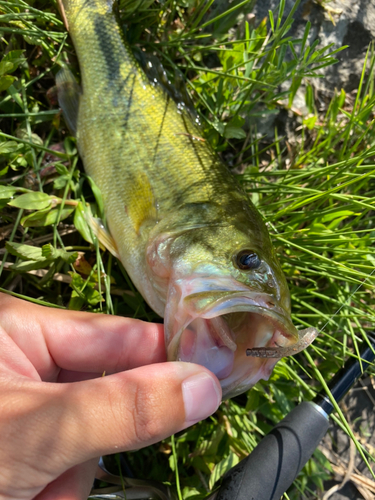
(317, 194)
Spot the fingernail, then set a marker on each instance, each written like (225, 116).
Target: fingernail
(202, 397)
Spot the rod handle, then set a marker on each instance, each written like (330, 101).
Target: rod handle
(275, 463)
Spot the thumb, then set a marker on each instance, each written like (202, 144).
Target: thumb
(136, 408)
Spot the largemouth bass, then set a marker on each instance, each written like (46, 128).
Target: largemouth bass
(189, 237)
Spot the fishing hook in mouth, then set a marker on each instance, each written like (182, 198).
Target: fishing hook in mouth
(305, 340)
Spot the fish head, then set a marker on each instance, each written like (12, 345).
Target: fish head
(225, 294)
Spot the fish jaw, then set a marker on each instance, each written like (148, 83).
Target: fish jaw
(214, 322)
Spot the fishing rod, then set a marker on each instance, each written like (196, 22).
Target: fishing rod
(275, 462)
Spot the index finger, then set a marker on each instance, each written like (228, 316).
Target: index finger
(80, 341)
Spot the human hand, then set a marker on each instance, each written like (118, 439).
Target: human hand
(57, 412)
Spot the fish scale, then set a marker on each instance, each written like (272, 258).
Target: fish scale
(180, 222)
(159, 134)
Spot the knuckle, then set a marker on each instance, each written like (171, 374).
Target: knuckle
(144, 417)
(146, 414)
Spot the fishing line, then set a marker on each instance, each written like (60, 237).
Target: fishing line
(350, 296)
(305, 336)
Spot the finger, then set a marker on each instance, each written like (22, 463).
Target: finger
(79, 341)
(134, 409)
(125, 411)
(65, 425)
(74, 484)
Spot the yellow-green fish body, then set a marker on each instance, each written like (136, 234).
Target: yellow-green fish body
(192, 242)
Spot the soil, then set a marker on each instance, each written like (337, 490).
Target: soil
(358, 408)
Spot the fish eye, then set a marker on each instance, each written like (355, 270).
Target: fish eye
(247, 259)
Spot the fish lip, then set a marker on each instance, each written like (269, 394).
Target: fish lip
(220, 302)
(249, 301)
(193, 298)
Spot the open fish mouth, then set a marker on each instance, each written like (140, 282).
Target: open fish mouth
(239, 336)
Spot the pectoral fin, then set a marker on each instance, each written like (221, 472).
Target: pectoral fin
(68, 94)
(102, 234)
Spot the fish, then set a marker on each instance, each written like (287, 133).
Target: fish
(187, 234)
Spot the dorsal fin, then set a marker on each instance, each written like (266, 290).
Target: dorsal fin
(157, 76)
(68, 94)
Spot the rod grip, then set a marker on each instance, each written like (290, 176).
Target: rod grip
(274, 464)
